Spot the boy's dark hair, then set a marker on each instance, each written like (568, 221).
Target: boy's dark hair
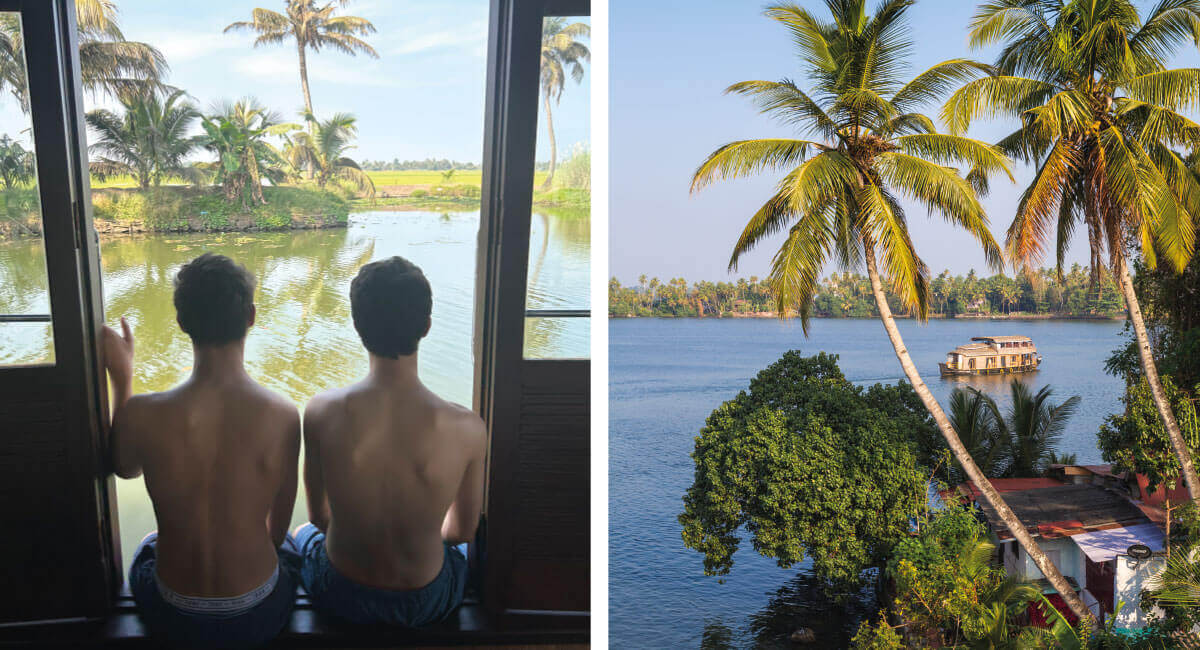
(214, 299)
(390, 301)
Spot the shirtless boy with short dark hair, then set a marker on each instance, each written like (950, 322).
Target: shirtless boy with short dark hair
(220, 454)
(394, 473)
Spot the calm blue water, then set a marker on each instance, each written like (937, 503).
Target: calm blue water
(666, 376)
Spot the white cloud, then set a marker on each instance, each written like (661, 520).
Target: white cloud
(189, 46)
(473, 36)
(283, 67)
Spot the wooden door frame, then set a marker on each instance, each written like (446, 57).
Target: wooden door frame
(72, 382)
(510, 139)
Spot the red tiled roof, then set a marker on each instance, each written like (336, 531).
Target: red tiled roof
(971, 492)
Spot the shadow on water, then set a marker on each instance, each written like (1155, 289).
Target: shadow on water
(802, 602)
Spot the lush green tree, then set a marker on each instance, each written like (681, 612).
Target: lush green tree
(16, 163)
(840, 199)
(323, 149)
(311, 27)
(975, 419)
(149, 141)
(108, 63)
(811, 466)
(1098, 109)
(562, 54)
(239, 135)
(1136, 441)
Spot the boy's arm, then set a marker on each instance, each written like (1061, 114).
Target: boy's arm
(463, 516)
(314, 480)
(118, 361)
(285, 500)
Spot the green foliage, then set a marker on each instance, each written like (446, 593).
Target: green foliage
(1019, 444)
(455, 192)
(943, 536)
(322, 150)
(1136, 440)
(948, 589)
(148, 141)
(564, 197)
(576, 171)
(16, 163)
(176, 208)
(238, 134)
(811, 466)
(879, 636)
(419, 194)
(846, 295)
(861, 146)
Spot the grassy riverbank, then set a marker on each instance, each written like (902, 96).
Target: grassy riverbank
(185, 209)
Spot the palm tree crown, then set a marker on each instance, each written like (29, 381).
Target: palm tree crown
(866, 145)
(322, 149)
(238, 133)
(1099, 119)
(149, 141)
(108, 63)
(311, 26)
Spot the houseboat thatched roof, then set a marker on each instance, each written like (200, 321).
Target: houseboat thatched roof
(1002, 339)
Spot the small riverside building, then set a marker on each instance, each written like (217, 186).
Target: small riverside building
(1086, 529)
(992, 355)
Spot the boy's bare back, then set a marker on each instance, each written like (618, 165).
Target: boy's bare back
(392, 458)
(220, 459)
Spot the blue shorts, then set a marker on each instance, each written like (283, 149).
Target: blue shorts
(225, 625)
(334, 594)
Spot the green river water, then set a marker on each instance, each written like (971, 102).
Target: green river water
(304, 341)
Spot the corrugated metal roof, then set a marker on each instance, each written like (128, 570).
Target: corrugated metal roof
(1065, 510)
(1104, 545)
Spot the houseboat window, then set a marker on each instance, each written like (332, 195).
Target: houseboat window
(557, 302)
(418, 121)
(26, 335)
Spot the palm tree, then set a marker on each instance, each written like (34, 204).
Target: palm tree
(108, 63)
(562, 53)
(839, 199)
(16, 163)
(1022, 444)
(238, 134)
(149, 142)
(1098, 112)
(313, 27)
(321, 149)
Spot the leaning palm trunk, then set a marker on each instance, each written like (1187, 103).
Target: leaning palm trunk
(553, 144)
(960, 452)
(1151, 371)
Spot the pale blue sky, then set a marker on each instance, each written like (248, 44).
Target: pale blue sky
(422, 98)
(670, 60)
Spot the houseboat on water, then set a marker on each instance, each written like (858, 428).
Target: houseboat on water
(992, 355)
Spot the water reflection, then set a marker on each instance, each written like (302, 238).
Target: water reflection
(802, 602)
(303, 341)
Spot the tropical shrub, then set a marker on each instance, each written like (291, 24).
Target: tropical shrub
(1136, 441)
(148, 141)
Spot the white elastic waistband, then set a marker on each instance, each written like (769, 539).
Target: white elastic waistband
(221, 607)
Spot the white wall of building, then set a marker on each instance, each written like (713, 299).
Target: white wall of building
(1131, 578)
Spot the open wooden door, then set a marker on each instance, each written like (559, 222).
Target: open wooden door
(57, 556)
(536, 539)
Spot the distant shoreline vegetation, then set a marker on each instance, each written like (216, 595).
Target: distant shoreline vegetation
(848, 295)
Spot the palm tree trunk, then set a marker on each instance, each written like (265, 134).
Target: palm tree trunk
(553, 144)
(960, 452)
(308, 109)
(1156, 389)
(304, 76)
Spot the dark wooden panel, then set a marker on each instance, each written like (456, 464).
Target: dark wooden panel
(551, 531)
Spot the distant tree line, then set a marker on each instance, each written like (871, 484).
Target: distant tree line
(429, 164)
(848, 295)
